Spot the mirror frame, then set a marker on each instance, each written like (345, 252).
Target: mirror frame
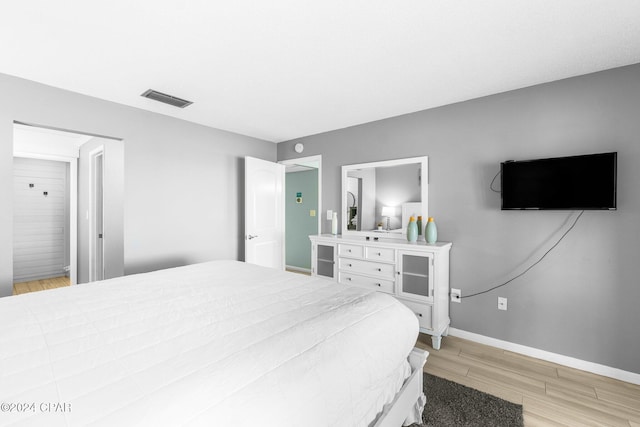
(424, 194)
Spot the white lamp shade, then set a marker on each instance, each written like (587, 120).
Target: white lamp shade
(388, 211)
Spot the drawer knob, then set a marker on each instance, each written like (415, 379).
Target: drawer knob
(348, 250)
(348, 278)
(379, 253)
(378, 284)
(379, 269)
(419, 314)
(349, 265)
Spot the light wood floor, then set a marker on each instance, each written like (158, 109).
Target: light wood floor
(551, 394)
(40, 285)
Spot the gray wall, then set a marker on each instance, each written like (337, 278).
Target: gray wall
(300, 224)
(581, 300)
(183, 197)
(113, 194)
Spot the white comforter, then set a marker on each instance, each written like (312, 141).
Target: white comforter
(219, 344)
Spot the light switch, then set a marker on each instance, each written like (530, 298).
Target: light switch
(312, 212)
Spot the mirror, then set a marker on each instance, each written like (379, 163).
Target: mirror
(378, 198)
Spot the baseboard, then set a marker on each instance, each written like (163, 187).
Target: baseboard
(298, 269)
(571, 362)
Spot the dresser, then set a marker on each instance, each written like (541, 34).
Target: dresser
(417, 274)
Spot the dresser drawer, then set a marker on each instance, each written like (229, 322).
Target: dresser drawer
(355, 251)
(366, 282)
(380, 254)
(367, 267)
(423, 313)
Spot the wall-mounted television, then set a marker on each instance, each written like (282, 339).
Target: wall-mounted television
(576, 182)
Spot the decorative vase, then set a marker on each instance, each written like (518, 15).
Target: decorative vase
(334, 224)
(431, 231)
(412, 230)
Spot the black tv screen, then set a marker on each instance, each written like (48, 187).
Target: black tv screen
(576, 182)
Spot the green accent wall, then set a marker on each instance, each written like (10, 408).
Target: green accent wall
(300, 224)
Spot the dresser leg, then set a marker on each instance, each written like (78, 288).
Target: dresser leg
(435, 341)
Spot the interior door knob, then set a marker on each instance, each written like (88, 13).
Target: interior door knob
(249, 237)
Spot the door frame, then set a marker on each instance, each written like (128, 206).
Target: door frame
(73, 206)
(316, 161)
(311, 159)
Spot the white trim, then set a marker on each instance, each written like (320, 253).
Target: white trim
(583, 365)
(57, 129)
(56, 158)
(73, 206)
(73, 218)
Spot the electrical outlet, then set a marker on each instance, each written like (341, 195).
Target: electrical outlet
(456, 295)
(502, 303)
(329, 215)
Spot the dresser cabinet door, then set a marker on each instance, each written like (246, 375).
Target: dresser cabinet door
(324, 260)
(415, 275)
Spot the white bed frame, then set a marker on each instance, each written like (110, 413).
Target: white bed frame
(409, 401)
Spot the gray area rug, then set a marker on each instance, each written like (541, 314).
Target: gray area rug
(452, 404)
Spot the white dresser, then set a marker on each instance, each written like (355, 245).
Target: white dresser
(417, 274)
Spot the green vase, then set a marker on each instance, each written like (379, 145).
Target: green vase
(412, 230)
(431, 231)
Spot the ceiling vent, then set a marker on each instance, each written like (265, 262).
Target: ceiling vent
(167, 99)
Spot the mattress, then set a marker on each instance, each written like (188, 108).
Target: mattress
(218, 344)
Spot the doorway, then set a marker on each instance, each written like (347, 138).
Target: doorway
(71, 148)
(41, 224)
(303, 195)
(37, 261)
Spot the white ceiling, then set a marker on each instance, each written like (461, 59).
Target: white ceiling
(281, 69)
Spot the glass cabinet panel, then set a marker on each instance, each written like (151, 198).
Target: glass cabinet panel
(415, 275)
(325, 260)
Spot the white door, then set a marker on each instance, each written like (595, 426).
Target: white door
(264, 213)
(96, 272)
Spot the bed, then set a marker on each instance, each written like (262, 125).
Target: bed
(219, 343)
